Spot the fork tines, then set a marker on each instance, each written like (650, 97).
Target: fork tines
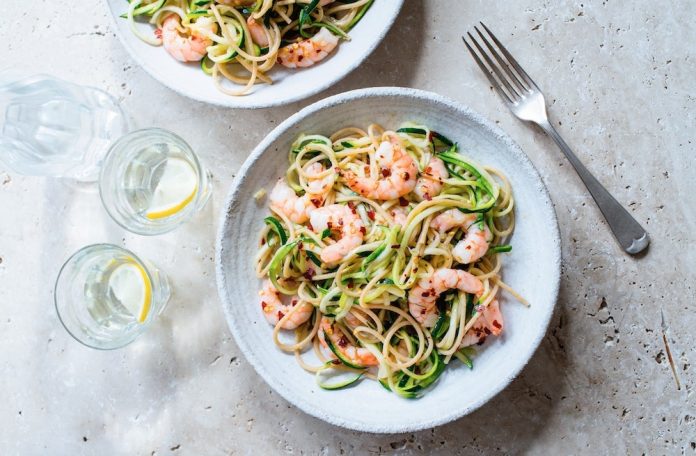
(501, 69)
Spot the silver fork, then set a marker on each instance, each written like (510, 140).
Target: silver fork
(525, 100)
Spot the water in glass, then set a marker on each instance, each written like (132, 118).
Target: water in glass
(49, 127)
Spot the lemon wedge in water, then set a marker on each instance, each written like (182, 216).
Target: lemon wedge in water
(175, 190)
(130, 285)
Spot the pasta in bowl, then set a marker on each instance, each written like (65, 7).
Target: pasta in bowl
(531, 269)
(383, 254)
(247, 53)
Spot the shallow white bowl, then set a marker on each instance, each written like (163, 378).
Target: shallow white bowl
(533, 267)
(288, 85)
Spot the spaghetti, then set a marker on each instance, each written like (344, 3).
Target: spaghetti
(384, 272)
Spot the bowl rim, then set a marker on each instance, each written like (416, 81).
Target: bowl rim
(228, 207)
(228, 101)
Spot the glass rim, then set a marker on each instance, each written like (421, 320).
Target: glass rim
(60, 274)
(201, 174)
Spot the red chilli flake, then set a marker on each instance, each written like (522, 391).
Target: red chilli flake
(363, 230)
(329, 225)
(386, 172)
(294, 302)
(280, 315)
(371, 214)
(403, 202)
(316, 202)
(342, 342)
(487, 331)
(427, 196)
(496, 324)
(158, 33)
(263, 304)
(407, 176)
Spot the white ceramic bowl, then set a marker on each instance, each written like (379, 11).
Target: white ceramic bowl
(533, 267)
(288, 85)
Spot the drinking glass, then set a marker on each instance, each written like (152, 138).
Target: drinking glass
(152, 181)
(50, 127)
(106, 296)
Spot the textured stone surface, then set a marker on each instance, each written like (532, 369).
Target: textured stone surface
(619, 76)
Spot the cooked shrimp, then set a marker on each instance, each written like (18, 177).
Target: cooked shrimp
(397, 174)
(337, 217)
(274, 309)
(490, 322)
(184, 48)
(429, 184)
(317, 184)
(422, 297)
(283, 199)
(258, 35)
(399, 214)
(356, 355)
(308, 52)
(478, 235)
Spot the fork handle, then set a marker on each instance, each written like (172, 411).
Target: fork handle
(631, 236)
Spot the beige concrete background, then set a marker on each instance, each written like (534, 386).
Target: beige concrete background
(620, 80)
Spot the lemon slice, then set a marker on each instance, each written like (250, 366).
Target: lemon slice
(175, 190)
(130, 285)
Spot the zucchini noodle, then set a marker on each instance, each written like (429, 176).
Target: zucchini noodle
(238, 42)
(360, 303)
